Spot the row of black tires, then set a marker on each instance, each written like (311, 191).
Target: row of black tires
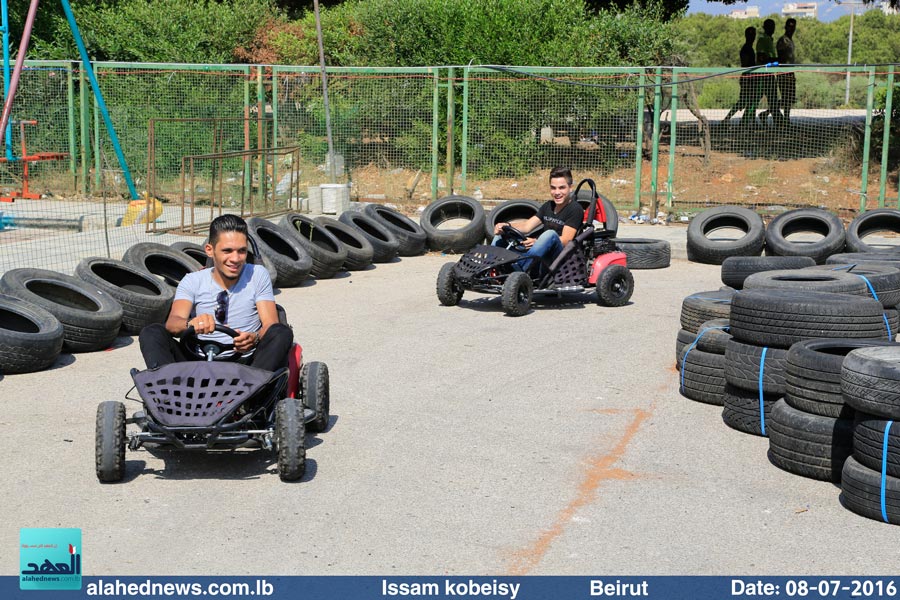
(43, 312)
(825, 232)
(811, 370)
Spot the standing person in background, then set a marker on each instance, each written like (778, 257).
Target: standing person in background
(787, 82)
(748, 95)
(765, 54)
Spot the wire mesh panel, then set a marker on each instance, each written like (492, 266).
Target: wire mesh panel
(382, 125)
(771, 140)
(520, 124)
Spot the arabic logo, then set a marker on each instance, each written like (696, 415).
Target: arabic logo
(49, 559)
(61, 568)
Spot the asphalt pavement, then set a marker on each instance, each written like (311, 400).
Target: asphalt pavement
(462, 441)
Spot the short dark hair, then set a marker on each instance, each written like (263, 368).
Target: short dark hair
(750, 32)
(791, 21)
(565, 172)
(768, 24)
(224, 224)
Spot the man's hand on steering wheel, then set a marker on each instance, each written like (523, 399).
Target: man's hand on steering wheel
(515, 239)
(245, 341)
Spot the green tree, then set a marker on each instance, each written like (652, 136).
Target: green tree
(201, 31)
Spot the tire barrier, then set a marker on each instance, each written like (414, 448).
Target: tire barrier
(453, 208)
(834, 282)
(736, 269)
(144, 298)
(359, 250)
(871, 222)
(90, 318)
(702, 376)
(890, 259)
(642, 253)
(748, 367)
(512, 212)
(168, 264)
(747, 411)
(813, 375)
(882, 279)
(292, 263)
(385, 246)
(869, 493)
(195, 251)
(410, 236)
(326, 251)
(700, 307)
(702, 247)
(870, 380)
(869, 435)
(779, 318)
(808, 445)
(806, 220)
(30, 337)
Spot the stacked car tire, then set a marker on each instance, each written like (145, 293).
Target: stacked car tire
(870, 480)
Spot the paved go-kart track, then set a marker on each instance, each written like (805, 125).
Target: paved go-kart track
(462, 442)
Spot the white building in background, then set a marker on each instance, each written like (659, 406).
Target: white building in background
(751, 12)
(801, 9)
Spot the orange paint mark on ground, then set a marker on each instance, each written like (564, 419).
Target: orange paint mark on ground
(599, 469)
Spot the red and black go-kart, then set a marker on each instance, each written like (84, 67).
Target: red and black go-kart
(590, 260)
(218, 405)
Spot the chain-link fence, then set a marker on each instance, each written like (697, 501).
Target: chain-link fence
(654, 139)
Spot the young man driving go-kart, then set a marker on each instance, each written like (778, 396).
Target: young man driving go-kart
(561, 217)
(231, 293)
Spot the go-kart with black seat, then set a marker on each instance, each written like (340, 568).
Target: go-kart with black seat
(218, 404)
(589, 260)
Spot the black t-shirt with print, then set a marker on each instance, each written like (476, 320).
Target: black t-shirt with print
(572, 215)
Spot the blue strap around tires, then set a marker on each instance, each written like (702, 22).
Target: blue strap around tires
(691, 347)
(887, 324)
(762, 404)
(884, 462)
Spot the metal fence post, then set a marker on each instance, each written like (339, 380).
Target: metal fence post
(673, 129)
(654, 160)
(70, 116)
(275, 107)
(98, 162)
(85, 141)
(465, 130)
(639, 143)
(886, 139)
(451, 117)
(435, 107)
(867, 140)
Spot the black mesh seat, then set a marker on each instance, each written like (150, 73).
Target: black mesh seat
(198, 393)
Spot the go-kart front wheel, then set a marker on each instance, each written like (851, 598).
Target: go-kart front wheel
(316, 395)
(615, 286)
(110, 441)
(290, 439)
(516, 294)
(449, 291)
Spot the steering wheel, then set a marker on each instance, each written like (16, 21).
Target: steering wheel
(513, 238)
(208, 348)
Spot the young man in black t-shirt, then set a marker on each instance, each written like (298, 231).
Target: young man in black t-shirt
(561, 217)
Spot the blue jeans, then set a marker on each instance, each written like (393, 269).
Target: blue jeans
(547, 246)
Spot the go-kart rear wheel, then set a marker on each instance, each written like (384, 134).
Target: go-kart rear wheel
(316, 395)
(516, 295)
(449, 291)
(110, 441)
(290, 439)
(615, 286)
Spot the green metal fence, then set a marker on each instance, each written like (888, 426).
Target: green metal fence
(653, 138)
